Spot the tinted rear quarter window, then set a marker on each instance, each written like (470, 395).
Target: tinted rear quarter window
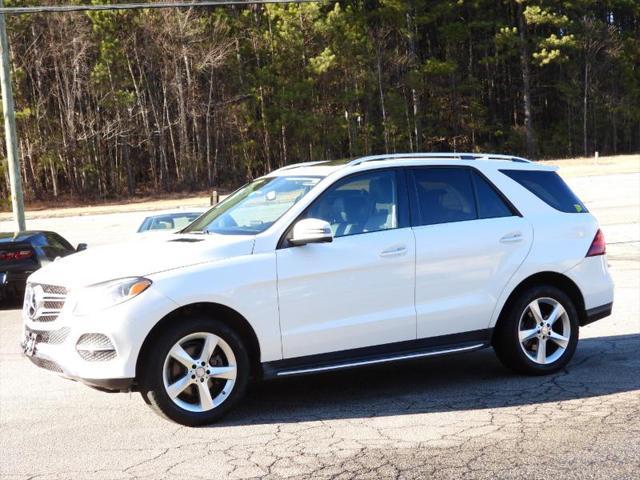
(490, 203)
(548, 187)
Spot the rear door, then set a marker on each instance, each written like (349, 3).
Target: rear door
(469, 242)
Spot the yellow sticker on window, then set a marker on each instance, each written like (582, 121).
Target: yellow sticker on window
(578, 207)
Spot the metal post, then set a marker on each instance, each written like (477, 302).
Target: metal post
(214, 199)
(11, 138)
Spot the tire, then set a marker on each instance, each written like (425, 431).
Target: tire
(521, 321)
(168, 370)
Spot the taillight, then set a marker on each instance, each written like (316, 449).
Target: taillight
(15, 255)
(598, 246)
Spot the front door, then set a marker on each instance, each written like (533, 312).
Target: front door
(358, 290)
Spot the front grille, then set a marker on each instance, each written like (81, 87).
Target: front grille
(46, 364)
(43, 303)
(94, 341)
(55, 290)
(95, 347)
(97, 356)
(52, 337)
(54, 304)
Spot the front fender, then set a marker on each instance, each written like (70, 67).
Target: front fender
(246, 284)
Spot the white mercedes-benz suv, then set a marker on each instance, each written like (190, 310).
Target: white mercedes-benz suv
(324, 266)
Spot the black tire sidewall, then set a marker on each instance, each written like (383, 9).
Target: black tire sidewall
(153, 385)
(508, 339)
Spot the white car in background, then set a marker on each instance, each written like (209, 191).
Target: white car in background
(170, 220)
(326, 266)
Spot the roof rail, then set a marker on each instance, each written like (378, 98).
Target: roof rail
(298, 165)
(452, 156)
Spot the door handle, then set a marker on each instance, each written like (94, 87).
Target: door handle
(513, 237)
(394, 251)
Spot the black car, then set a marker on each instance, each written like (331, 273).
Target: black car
(23, 253)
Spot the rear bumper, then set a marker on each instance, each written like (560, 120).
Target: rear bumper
(597, 313)
(13, 282)
(592, 277)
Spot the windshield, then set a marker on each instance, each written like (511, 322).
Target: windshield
(255, 207)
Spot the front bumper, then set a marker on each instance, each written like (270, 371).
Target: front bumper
(100, 350)
(105, 384)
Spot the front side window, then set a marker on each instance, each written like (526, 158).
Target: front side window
(359, 204)
(444, 195)
(171, 222)
(255, 207)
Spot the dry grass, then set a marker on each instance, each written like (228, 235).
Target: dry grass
(571, 167)
(585, 167)
(139, 205)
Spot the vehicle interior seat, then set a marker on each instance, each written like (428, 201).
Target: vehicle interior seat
(162, 224)
(432, 208)
(383, 215)
(352, 209)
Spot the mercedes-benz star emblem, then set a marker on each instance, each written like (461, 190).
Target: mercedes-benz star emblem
(34, 301)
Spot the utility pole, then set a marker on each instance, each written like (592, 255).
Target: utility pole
(11, 138)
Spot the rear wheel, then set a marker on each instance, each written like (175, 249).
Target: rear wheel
(198, 371)
(539, 332)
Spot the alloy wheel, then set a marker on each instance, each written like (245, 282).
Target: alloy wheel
(199, 372)
(544, 330)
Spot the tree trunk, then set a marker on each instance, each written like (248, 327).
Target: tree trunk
(207, 123)
(585, 102)
(145, 122)
(413, 33)
(54, 178)
(526, 84)
(382, 105)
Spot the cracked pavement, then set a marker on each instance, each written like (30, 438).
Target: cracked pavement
(461, 416)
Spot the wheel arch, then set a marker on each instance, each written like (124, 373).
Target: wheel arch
(555, 279)
(212, 310)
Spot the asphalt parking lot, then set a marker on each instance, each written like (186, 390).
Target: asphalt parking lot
(455, 417)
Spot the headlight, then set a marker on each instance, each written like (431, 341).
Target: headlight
(107, 294)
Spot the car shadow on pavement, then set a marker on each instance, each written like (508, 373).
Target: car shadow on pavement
(473, 381)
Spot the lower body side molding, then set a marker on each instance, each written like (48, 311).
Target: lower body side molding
(391, 352)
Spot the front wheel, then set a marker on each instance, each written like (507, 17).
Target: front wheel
(198, 371)
(539, 332)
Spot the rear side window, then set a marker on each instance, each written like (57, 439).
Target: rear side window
(444, 195)
(548, 187)
(490, 203)
(58, 242)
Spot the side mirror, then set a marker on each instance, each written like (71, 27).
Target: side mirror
(81, 247)
(311, 230)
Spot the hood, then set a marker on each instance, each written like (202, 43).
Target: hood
(139, 258)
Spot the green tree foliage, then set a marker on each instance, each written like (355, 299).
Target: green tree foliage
(130, 102)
